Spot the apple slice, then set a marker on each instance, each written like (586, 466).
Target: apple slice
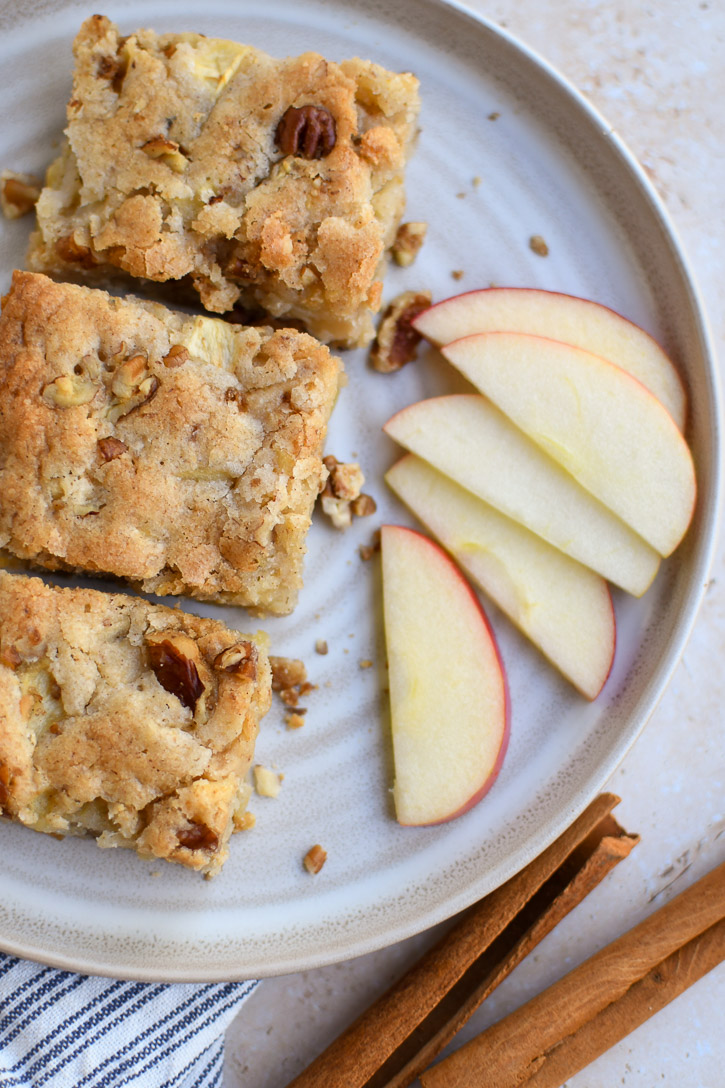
(564, 608)
(468, 439)
(595, 420)
(576, 321)
(448, 693)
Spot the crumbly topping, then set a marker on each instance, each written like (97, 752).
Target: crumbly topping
(181, 453)
(272, 184)
(397, 341)
(345, 480)
(287, 672)
(289, 680)
(342, 495)
(116, 721)
(408, 240)
(245, 821)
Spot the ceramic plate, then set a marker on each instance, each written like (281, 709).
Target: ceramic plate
(548, 165)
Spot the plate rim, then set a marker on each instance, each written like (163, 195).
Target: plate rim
(661, 674)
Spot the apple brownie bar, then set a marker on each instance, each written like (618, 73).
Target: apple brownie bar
(272, 184)
(181, 453)
(131, 722)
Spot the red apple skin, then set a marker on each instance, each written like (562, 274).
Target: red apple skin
(488, 783)
(480, 794)
(541, 292)
(591, 698)
(590, 694)
(637, 388)
(532, 291)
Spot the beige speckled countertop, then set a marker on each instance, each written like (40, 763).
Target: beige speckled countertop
(656, 70)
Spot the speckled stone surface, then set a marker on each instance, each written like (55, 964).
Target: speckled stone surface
(655, 70)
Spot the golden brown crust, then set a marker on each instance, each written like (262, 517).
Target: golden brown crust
(180, 453)
(173, 171)
(92, 741)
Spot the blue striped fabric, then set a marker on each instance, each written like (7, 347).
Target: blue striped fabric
(76, 1031)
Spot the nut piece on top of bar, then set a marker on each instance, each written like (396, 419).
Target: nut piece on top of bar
(273, 184)
(181, 453)
(131, 722)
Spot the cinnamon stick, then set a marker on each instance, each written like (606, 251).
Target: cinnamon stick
(567, 1026)
(401, 1033)
(658, 987)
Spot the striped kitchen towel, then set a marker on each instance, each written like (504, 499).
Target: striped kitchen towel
(64, 1030)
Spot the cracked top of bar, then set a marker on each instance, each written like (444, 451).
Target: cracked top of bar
(181, 453)
(272, 184)
(128, 721)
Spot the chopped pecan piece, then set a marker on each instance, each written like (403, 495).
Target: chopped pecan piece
(5, 779)
(363, 506)
(397, 341)
(198, 837)
(10, 657)
(408, 240)
(289, 696)
(108, 67)
(18, 193)
(235, 396)
(111, 448)
(159, 147)
(132, 388)
(69, 390)
(128, 376)
(177, 355)
(367, 551)
(306, 131)
(345, 479)
(74, 253)
(175, 671)
(341, 495)
(314, 859)
(240, 659)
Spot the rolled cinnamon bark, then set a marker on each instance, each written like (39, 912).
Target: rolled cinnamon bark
(658, 987)
(515, 1051)
(401, 1033)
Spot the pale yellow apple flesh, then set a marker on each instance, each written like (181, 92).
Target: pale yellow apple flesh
(448, 694)
(575, 321)
(564, 608)
(595, 420)
(470, 440)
